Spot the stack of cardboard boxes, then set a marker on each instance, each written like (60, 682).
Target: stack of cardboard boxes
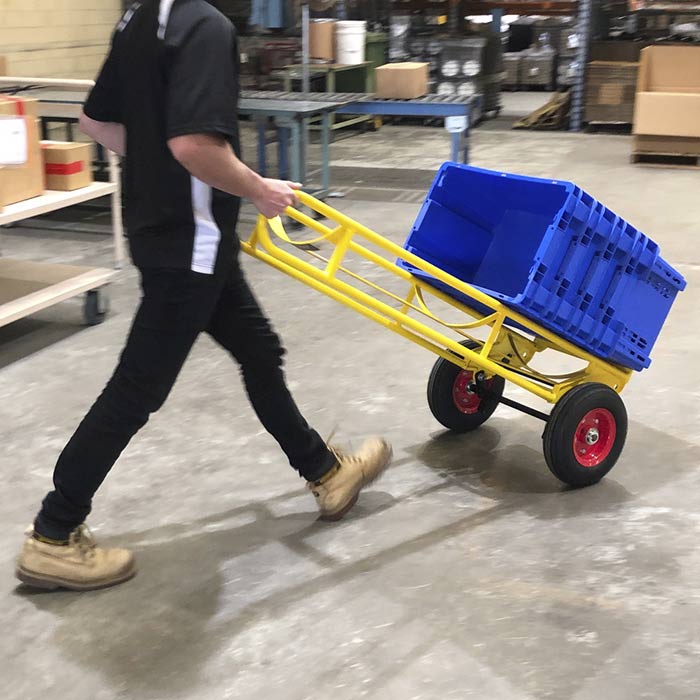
(47, 165)
(610, 91)
(611, 81)
(20, 182)
(667, 106)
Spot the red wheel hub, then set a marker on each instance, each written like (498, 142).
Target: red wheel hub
(594, 437)
(466, 400)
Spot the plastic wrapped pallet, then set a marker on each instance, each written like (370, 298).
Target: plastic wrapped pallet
(512, 63)
(567, 70)
(537, 68)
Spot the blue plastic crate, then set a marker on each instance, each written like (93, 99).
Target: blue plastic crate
(552, 252)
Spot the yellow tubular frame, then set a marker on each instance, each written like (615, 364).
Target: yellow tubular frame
(506, 352)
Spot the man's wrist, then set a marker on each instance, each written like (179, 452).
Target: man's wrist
(257, 187)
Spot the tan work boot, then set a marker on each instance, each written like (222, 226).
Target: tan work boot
(79, 565)
(337, 491)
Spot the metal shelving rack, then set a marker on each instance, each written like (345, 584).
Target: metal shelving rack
(27, 286)
(578, 89)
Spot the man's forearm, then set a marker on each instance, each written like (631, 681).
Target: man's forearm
(212, 160)
(108, 134)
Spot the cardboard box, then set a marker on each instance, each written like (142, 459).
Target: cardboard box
(67, 165)
(617, 51)
(3, 65)
(671, 145)
(403, 81)
(322, 39)
(668, 92)
(610, 91)
(11, 106)
(18, 183)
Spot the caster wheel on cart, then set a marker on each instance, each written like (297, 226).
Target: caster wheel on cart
(585, 434)
(452, 398)
(95, 307)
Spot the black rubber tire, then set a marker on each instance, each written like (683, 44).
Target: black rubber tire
(93, 308)
(560, 431)
(442, 404)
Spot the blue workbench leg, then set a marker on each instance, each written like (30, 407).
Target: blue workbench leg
(296, 149)
(261, 125)
(325, 153)
(283, 151)
(303, 148)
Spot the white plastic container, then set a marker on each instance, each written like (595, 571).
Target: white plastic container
(350, 38)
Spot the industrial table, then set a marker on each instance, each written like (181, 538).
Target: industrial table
(456, 111)
(291, 114)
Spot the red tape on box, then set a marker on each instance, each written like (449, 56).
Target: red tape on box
(18, 102)
(64, 168)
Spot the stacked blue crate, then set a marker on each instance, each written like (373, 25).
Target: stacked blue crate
(551, 251)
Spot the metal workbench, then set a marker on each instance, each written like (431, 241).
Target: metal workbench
(456, 111)
(291, 114)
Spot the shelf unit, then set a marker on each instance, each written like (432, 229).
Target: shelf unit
(551, 7)
(27, 287)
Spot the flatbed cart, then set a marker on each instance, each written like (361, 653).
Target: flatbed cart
(585, 432)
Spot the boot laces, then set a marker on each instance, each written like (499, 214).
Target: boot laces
(345, 457)
(83, 540)
(340, 454)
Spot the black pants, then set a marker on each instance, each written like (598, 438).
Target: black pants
(177, 305)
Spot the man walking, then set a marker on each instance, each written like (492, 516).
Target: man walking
(166, 100)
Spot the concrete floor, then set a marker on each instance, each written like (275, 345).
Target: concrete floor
(467, 572)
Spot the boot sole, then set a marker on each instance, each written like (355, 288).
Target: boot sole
(50, 583)
(339, 515)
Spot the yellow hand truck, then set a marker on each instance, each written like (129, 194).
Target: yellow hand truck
(585, 432)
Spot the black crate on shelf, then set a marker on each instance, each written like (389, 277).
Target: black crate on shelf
(487, 87)
(458, 87)
(462, 58)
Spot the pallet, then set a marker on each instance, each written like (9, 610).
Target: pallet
(553, 115)
(667, 160)
(599, 127)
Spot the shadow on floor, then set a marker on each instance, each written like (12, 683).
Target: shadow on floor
(30, 335)
(156, 635)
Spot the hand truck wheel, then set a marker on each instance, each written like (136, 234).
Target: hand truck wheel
(585, 434)
(456, 399)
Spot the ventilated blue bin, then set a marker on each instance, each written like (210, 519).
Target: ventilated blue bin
(551, 251)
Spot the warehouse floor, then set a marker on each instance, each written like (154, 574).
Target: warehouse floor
(467, 572)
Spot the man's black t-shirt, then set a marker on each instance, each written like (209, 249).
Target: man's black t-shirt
(172, 70)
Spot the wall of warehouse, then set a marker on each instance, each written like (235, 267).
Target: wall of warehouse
(56, 38)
